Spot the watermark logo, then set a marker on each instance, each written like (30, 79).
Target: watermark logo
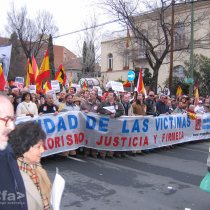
(11, 198)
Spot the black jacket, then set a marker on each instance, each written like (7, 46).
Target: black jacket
(12, 189)
(151, 106)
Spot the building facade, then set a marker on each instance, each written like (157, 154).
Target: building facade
(118, 57)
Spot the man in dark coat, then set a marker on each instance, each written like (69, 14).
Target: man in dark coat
(161, 106)
(12, 189)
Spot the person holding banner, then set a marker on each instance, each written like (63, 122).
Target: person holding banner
(113, 108)
(26, 107)
(48, 106)
(69, 104)
(161, 105)
(151, 104)
(27, 142)
(139, 108)
(91, 105)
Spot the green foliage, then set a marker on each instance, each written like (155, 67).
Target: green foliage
(175, 83)
(147, 77)
(201, 73)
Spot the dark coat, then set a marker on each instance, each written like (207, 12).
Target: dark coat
(162, 108)
(12, 189)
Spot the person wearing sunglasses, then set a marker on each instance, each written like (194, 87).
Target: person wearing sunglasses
(150, 104)
(11, 182)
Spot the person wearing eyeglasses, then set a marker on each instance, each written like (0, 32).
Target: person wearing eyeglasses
(27, 141)
(150, 104)
(11, 182)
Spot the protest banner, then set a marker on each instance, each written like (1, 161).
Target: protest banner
(71, 130)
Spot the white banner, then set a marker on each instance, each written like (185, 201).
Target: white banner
(5, 54)
(71, 130)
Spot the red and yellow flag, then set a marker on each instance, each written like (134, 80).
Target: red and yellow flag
(140, 84)
(61, 75)
(46, 87)
(36, 73)
(2, 79)
(35, 68)
(44, 71)
(29, 74)
(179, 91)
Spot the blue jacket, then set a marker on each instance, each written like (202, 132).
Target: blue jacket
(12, 189)
(161, 108)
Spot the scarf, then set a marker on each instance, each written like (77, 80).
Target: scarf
(40, 179)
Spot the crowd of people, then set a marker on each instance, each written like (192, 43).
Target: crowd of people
(125, 103)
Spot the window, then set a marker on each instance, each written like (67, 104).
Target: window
(126, 61)
(142, 46)
(110, 61)
(179, 35)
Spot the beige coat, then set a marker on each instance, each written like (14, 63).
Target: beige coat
(32, 194)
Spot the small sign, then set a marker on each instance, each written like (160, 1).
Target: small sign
(55, 86)
(100, 92)
(19, 79)
(117, 86)
(32, 89)
(131, 76)
(19, 82)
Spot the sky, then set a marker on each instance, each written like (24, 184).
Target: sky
(69, 16)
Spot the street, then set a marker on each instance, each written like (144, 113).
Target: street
(163, 179)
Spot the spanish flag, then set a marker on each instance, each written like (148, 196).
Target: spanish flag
(140, 85)
(35, 68)
(2, 79)
(36, 73)
(29, 74)
(179, 91)
(46, 87)
(61, 75)
(44, 71)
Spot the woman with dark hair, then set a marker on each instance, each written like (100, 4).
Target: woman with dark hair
(26, 107)
(27, 143)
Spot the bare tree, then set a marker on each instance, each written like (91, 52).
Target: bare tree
(32, 33)
(152, 30)
(89, 50)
